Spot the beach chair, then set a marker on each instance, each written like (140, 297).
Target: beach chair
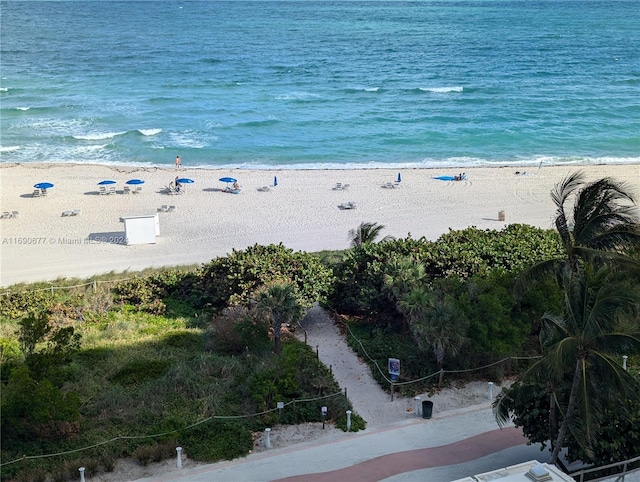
(171, 209)
(15, 214)
(43, 192)
(263, 189)
(126, 190)
(112, 189)
(36, 193)
(103, 190)
(5, 215)
(137, 190)
(67, 213)
(163, 209)
(349, 205)
(76, 212)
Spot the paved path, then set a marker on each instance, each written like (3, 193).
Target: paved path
(397, 446)
(442, 449)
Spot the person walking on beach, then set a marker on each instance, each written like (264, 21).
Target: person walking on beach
(178, 162)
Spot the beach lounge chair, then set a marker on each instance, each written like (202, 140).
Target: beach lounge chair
(349, 205)
(171, 209)
(6, 215)
(43, 192)
(36, 193)
(15, 214)
(126, 190)
(137, 190)
(67, 213)
(163, 209)
(263, 189)
(103, 190)
(112, 189)
(76, 212)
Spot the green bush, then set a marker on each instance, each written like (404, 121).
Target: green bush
(232, 280)
(219, 440)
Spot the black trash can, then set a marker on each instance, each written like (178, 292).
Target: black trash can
(427, 409)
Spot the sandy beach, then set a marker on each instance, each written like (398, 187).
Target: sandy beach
(302, 211)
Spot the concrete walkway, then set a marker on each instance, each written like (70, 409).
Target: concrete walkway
(442, 449)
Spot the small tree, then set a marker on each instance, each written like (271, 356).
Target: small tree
(279, 301)
(366, 233)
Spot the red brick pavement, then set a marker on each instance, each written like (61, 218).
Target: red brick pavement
(385, 466)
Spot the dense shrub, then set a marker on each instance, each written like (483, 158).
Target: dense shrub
(232, 280)
(359, 285)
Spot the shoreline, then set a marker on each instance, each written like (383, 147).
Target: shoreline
(301, 212)
(536, 163)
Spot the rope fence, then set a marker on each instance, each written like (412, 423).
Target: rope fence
(163, 434)
(440, 373)
(52, 288)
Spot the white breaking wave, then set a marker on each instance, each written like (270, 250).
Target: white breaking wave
(149, 132)
(442, 90)
(98, 136)
(9, 148)
(23, 108)
(4, 89)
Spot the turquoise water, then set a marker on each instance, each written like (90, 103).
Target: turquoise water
(321, 84)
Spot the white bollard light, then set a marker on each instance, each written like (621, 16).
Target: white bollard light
(348, 420)
(490, 391)
(624, 361)
(416, 407)
(179, 459)
(267, 438)
(81, 470)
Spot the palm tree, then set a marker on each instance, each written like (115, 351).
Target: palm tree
(402, 275)
(583, 347)
(366, 233)
(603, 227)
(279, 302)
(434, 322)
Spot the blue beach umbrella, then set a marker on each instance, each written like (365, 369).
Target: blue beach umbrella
(43, 185)
(399, 178)
(106, 182)
(185, 180)
(135, 181)
(227, 179)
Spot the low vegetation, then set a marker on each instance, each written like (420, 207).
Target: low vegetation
(200, 357)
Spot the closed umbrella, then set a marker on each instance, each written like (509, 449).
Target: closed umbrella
(399, 178)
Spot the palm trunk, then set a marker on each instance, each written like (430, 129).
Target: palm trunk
(277, 326)
(564, 426)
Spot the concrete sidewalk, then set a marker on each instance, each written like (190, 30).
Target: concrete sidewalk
(447, 447)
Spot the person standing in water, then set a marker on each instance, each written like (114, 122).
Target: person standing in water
(178, 162)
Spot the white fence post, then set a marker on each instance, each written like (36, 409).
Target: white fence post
(348, 420)
(490, 391)
(416, 407)
(179, 457)
(81, 470)
(267, 438)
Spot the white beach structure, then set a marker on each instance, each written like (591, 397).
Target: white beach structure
(141, 229)
(525, 472)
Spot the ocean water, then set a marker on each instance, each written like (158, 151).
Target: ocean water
(320, 84)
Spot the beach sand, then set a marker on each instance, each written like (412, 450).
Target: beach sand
(301, 211)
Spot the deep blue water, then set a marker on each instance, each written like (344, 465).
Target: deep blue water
(320, 84)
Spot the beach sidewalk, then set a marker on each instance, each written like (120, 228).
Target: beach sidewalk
(447, 447)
